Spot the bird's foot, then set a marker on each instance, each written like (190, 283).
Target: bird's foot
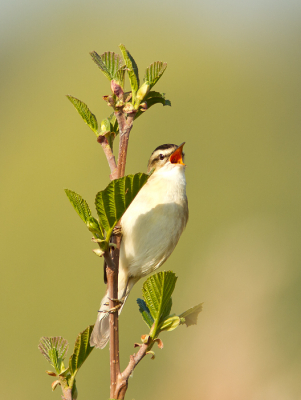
(111, 310)
(117, 231)
(119, 301)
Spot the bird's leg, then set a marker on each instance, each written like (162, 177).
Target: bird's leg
(114, 309)
(117, 231)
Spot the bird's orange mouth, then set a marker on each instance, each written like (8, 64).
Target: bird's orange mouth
(177, 156)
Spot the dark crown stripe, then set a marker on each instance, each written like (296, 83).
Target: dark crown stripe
(165, 146)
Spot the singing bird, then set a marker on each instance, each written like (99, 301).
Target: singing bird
(151, 228)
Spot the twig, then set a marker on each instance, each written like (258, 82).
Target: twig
(122, 383)
(109, 155)
(112, 261)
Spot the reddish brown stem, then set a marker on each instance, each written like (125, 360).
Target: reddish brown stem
(67, 394)
(125, 126)
(109, 155)
(122, 383)
(112, 260)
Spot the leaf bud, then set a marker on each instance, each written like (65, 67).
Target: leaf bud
(51, 373)
(160, 343)
(109, 100)
(152, 354)
(143, 106)
(145, 339)
(105, 126)
(98, 252)
(116, 89)
(93, 225)
(143, 91)
(128, 108)
(55, 384)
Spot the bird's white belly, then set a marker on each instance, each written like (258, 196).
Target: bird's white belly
(152, 226)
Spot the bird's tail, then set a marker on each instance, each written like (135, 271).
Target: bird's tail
(101, 331)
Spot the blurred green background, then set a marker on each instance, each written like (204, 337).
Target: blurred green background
(233, 78)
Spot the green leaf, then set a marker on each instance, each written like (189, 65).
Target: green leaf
(99, 62)
(80, 205)
(111, 64)
(148, 319)
(114, 127)
(83, 210)
(132, 70)
(105, 125)
(85, 113)
(112, 202)
(154, 72)
(110, 128)
(170, 323)
(153, 98)
(190, 316)
(120, 74)
(81, 351)
(54, 350)
(157, 291)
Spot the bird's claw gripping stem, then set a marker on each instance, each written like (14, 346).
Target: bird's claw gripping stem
(111, 310)
(117, 231)
(119, 301)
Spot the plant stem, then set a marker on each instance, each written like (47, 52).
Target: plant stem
(125, 126)
(112, 277)
(109, 155)
(122, 383)
(112, 260)
(67, 394)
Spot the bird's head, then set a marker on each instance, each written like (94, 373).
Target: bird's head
(166, 155)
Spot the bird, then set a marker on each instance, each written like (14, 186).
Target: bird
(151, 228)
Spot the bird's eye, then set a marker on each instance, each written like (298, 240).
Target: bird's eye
(161, 156)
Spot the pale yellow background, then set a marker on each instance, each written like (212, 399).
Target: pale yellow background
(233, 79)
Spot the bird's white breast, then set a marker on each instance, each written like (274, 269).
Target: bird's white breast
(153, 223)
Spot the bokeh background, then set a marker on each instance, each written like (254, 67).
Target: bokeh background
(233, 78)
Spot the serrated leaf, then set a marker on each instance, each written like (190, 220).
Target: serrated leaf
(112, 202)
(54, 350)
(81, 351)
(154, 72)
(169, 324)
(119, 76)
(191, 315)
(111, 64)
(80, 205)
(157, 291)
(153, 98)
(148, 319)
(99, 62)
(85, 113)
(132, 70)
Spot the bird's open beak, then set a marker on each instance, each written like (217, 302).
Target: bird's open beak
(177, 156)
